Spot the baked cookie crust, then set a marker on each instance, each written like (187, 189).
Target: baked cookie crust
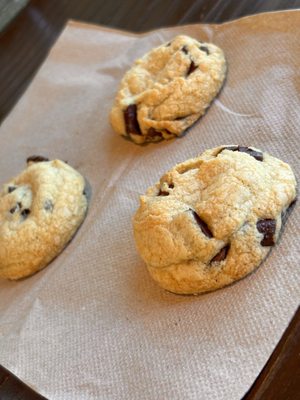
(168, 89)
(40, 210)
(211, 220)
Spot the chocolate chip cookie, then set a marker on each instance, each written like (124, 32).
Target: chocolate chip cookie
(40, 210)
(168, 89)
(212, 220)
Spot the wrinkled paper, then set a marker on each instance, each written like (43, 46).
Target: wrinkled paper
(93, 325)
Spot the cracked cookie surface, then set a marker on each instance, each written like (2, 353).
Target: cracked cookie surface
(40, 210)
(168, 89)
(211, 220)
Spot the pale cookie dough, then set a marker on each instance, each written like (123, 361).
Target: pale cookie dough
(40, 210)
(168, 89)
(212, 220)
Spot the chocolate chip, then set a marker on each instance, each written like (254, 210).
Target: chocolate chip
(231, 148)
(268, 228)
(25, 212)
(185, 50)
(243, 149)
(154, 133)
(221, 255)
(48, 205)
(11, 188)
(203, 226)
(163, 193)
(131, 122)
(18, 206)
(168, 44)
(192, 68)
(181, 118)
(253, 153)
(36, 159)
(204, 48)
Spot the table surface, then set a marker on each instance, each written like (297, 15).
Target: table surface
(23, 47)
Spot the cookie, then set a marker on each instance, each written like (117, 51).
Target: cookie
(40, 210)
(211, 220)
(168, 89)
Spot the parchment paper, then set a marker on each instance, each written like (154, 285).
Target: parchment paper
(93, 325)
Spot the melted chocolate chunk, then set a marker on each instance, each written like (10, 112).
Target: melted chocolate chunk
(181, 118)
(18, 206)
(231, 148)
(203, 226)
(37, 159)
(185, 50)
(253, 153)
(204, 48)
(131, 122)
(163, 193)
(11, 188)
(192, 68)
(25, 212)
(268, 228)
(243, 149)
(221, 255)
(154, 133)
(48, 205)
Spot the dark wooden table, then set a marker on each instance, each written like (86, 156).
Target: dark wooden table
(24, 45)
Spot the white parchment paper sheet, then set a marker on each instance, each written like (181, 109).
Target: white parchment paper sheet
(93, 325)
